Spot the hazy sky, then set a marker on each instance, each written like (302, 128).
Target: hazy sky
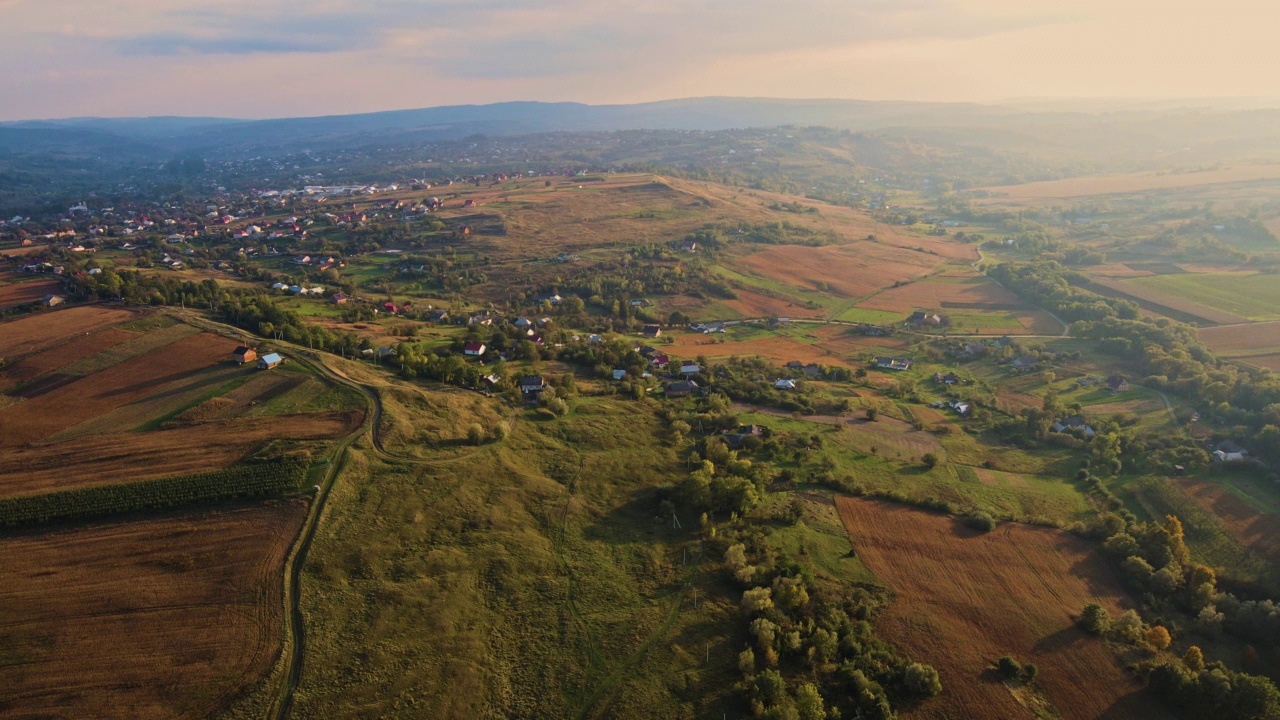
(271, 58)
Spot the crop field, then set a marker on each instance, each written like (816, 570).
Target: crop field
(849, 271)
(1057, 191)
(1232, 297)
(56, 402)
(1254, 342)
(1255, 529)
(973, 302)
(963, 600)
(168, 617)
(107, 459)
(32, 333)
(780, 349)
(17, 289)
(1164, 301)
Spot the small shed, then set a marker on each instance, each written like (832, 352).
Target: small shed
(270, 360)
(244, 354)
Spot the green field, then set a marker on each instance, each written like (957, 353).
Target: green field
(1256, 297)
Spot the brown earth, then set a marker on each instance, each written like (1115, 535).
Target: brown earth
(169, 617)
(17, 293)
(59, 356)
(63, 405)
(976, 292)
(127, 457)
(851, 271)
(1257, 530)
(964, 599)
(779, 349)
(758, 305)
(1243, 340)
(31, 333)
(1055, 191)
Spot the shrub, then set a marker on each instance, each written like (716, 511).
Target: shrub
(475, 434)
(930, 460)
(1094, 619)
(1009, 667)
(921, 680)
(981, 521)
(1029, 672)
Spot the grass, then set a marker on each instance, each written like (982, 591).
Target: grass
(1256, 297)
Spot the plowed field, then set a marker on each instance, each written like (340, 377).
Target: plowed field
(963, 600)
(16, 293)
(56, 403)
(169, 617)
(31, 333)
(125, 457)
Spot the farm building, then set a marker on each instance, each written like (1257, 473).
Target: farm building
(784, 384)
(652, 331)
(681, 388)
(244, 354)
(532, 385)
(897, 364)
(270, 360)
(1072, 425)
(53, 300)
(338, 298)
(690, 369)
(1117, 384)
(473, 349)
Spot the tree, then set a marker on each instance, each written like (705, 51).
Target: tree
(1030, 672)
(747, 662)
(475, 434)
(872, 413)
(809, 703)
(921, 680)
(1009, 667)
(1129, 627)
(1158, 637)
(929, 459)
(757, 600)
(1094, 619)
(1193, 658)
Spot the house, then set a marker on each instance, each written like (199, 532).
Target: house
(52, 300)
(737, 438)
(385, 352)
(438, 316)
(522, 322)
(948, 379)
(491, 380)
(659, 361)
(594, 339)
(473, 349)
(689, 246)
(338, 298)
(1229, 451)
(1024, 363)
(619, 374)
(532, 384)
(784, 384)
(390, 307)
(689, 369)
(920, 317)
(652, 331)
(1117, 384)
(279, 286)
(244, 354)
(975, 350)
(270, 360)
(812, 371)
(794, 365)
(1074, 425)
(680, 388)
(961, 408)
(896, 364)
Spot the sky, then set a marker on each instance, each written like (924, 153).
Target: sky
(284, 58)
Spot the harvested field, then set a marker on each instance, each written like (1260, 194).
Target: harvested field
(1259, 531)
(750, 304)
(32, 333)
(1116, 270)
(850, 271)
(889, 438)
(57, 409)
(106, 459)
(975, 292)
(963, 600)
(167, 617)
(59, 356)
(778, 348)
(25, 291)
(261, 388)
(1052, 191)
(1243, 341)
(841, 340)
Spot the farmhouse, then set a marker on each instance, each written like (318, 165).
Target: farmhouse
(920, 317)
(270, 360)
(338, 298)
(1117, 384)
(1074, 425)
(244, 354)
(784, 384)
(737, 438)
(1024, 363)
(1229, 451)
(53, 300)
(948, 379)
(689, 369)
(473, 349)
(532, 385)
(897, 364)
(652, 331)
(681, 388)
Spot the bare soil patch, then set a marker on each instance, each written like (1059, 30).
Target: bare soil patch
(779, 349)
(974, 293)
(168, 617)
(57, 357)
(963, 600)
